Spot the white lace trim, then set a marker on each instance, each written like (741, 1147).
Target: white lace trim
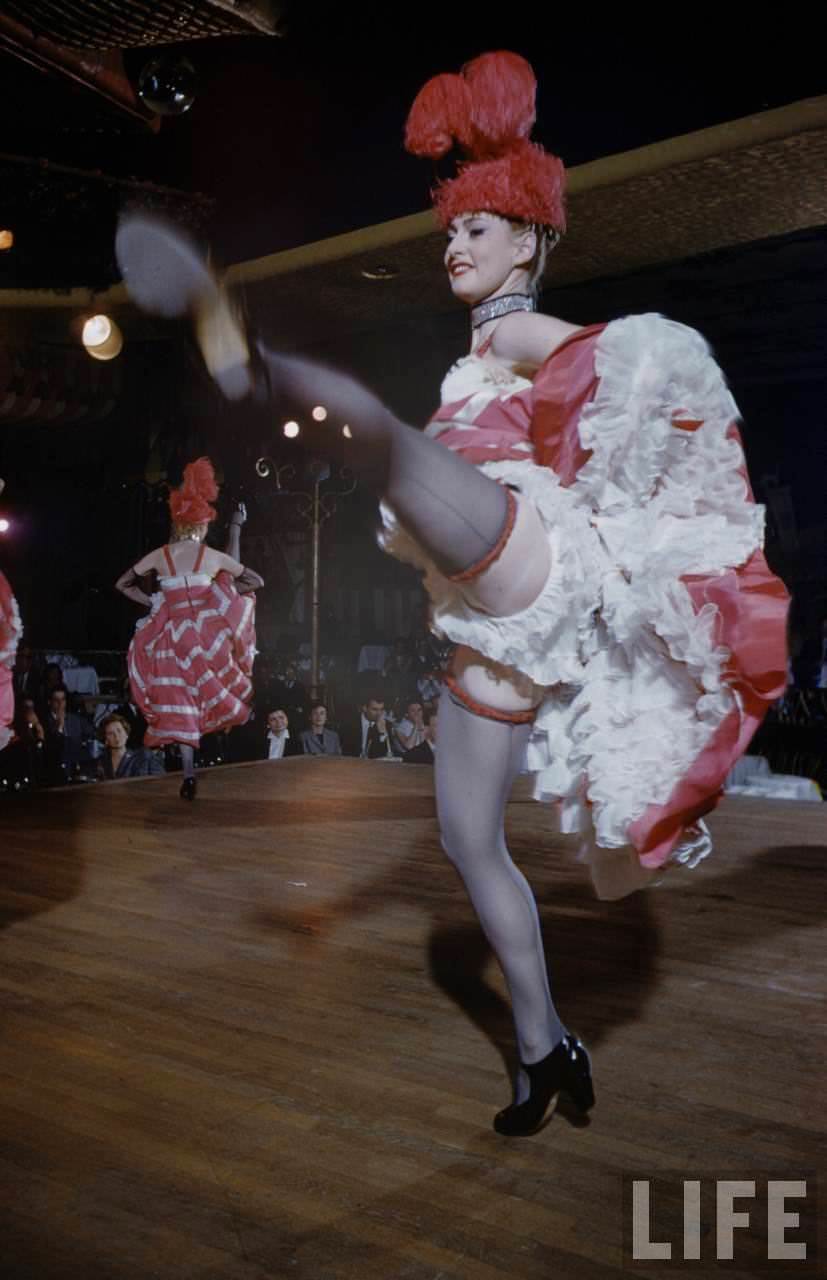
(639, 682)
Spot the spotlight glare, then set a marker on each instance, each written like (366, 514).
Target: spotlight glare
(346, 432)
(4, 526)
(319, 413)
(96, 330)
(291, 430)
(101, 337)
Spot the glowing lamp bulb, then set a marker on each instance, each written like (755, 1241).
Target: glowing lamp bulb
(346, 432)
(4, 526)
(96, 330)
(101, 337)
(6, 239)
(319, 413)
(291, 430)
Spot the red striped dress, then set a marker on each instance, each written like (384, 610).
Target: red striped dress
(191, 659)
(10, 631)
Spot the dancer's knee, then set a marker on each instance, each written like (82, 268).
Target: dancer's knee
(512, 575)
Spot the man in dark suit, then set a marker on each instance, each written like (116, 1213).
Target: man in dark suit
(370, 736)
(65, 734)
(279, 743)
(318, 740)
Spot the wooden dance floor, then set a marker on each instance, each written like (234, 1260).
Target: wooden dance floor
(261, 1036)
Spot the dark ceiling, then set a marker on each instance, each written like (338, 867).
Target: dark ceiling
(296, 137)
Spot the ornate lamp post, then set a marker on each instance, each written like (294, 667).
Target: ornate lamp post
(315, 507)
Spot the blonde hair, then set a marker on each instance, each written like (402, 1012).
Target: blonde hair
(187, 530)
(546, 239)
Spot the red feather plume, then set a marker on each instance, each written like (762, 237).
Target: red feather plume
(190, 502)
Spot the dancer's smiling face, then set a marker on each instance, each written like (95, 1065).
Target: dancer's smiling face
(487, 255)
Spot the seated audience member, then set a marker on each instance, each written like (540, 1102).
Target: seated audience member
(318, 740)
(279, 742)
(65, 737)
(122, 705)
(423, 753)
(410, 731)
(119, 760)
(370, 735)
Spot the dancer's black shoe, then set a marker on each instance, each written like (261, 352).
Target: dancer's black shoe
(188, 788)
(567, 1069)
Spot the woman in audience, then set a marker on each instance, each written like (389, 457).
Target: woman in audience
(119, 760)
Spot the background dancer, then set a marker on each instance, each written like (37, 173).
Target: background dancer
(191, 659)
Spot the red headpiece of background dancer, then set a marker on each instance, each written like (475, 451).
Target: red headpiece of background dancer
(189, 504)
(488, 110)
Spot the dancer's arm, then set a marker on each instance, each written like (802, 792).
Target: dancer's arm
(246, 580)
(129, 585)
(237, 519)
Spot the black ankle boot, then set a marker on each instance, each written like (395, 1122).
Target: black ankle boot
(566, 1069)
(187, 791)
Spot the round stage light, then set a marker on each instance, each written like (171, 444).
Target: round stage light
(102, 338)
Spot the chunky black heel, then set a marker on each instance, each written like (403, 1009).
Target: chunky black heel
(188, 788)
(567, 1069)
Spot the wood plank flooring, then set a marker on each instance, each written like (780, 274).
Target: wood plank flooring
(262, 1036)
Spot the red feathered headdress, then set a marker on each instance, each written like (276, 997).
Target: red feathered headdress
(190, 502)
(488, 110)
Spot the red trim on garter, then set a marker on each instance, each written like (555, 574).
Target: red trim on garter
(480, 708)
(468, 575)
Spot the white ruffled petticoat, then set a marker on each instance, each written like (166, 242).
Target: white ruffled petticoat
(634, 683)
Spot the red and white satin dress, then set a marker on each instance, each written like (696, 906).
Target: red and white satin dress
(10, 631)
(191, 659)
(659, 640)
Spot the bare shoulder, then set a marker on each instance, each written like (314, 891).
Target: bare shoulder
(153, 560)
(526, 337)
(219, 561)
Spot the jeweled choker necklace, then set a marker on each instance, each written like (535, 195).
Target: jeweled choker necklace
(493, 308)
